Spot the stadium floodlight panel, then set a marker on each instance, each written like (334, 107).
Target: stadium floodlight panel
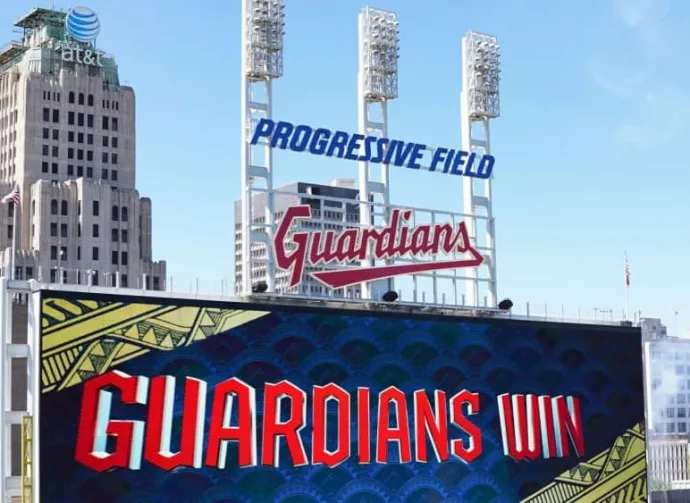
(483, 68)
(264, 26)
(381, 49)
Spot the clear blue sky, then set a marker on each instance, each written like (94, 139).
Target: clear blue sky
(590, 162)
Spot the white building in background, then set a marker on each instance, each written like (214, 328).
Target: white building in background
(667, 385)
(653, 329)
(68, 139)
(667, 461)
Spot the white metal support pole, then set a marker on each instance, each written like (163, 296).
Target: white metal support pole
(262, 62)
(479, 102)
(34, 383)
(270, 197)
(5, 307)
(377, 84)
(362, 113)
(244, 148)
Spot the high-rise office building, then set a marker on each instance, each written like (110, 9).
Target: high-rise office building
(67, 140)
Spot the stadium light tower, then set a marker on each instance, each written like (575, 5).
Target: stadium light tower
(263, 23)
(377, 85)
(479, 103)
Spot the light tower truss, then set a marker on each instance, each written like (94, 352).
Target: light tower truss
(263, 23)
(377, 84)
(479, 103)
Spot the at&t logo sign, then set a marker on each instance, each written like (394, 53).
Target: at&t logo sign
(82, 24)
(82, 27)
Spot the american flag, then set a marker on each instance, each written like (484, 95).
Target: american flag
(12, 196)
(626, 270)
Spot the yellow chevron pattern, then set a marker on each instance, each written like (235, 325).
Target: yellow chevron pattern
(84, 338)
(617, 475)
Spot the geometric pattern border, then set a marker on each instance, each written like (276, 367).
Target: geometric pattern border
(618, 474)
(81, 339)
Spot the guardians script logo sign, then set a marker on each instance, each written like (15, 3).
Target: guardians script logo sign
(532, 426)
(297, 250)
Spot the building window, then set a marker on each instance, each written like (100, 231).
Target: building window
(113, 159)
(56, 116)
(105, 141)
(80, 154)
(95, 230)
(94, 278)
(114, 257)
(81, 98)
(53, 229)
(114, 142)
(70, 118)
(79, 230)
(56, 134)
(46, 115)
(124, 235)
(104, 157)
(156, 283)
(115, 124)
(89, 120)
(53, 253)
(71, 97)
(54, 207)
(104, 174)
(125, 214)
(105, 122)
(89, 155)
(10, 209)
(113, 175)
(114, 235)
(80, 119)
(29, 272)
(70, 153)
(46, 133)
(78, 252)
(682, 428)
(90, 102)
(10, 231)
(80, 170)
(63, 230)
(95, 209)
(63, 253)
(125, 258)
(44, 166)
(53, 275)
(80, 138)
(89, 139)
(56, 151)
(45, 150)
(70, 169)
(123, 280)
(70, 136)
(94, 253)
(89, 172)
(54, 168)
(115, 213)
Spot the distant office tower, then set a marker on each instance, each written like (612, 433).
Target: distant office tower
(67, 139)
(330, 211)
